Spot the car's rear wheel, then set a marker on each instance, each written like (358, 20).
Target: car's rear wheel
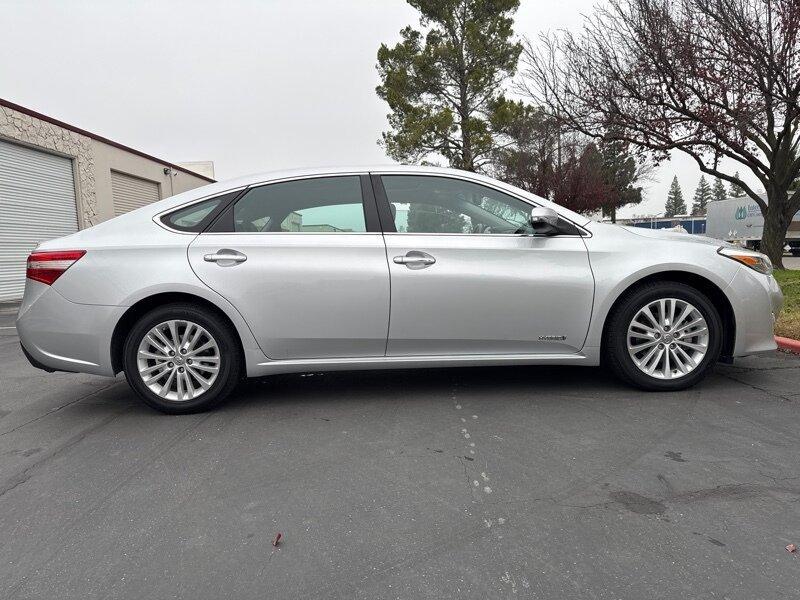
(181, 359)
(664, 336)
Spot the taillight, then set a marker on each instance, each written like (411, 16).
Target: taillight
(48, 266)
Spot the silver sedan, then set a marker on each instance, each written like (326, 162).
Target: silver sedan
(391, 267)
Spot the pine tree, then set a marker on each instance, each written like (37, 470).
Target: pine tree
(675, 204)
(719, 191)
(444, 81)
(735, 190)
(620, 173)
(702, 196)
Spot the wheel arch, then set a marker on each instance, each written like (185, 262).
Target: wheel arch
(712, 291)
(146, 304)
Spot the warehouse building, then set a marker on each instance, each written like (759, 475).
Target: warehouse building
(56, 179)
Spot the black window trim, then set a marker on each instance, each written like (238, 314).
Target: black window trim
(387, 220)
(223, 220)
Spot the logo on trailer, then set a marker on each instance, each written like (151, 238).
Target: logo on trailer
(741, 213)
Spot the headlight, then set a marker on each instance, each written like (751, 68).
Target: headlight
(755, 260)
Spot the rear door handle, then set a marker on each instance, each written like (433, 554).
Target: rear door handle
(415, 259)
(226, 257)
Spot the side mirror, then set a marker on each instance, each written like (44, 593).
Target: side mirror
(544, 220)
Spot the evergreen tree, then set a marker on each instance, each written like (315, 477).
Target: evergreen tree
(675, 204)
(443, 82)
(702, 196)
(735, 191)
(620, 173)
(719, 191)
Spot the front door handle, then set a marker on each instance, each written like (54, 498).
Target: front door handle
(415, 259)
(226, 257)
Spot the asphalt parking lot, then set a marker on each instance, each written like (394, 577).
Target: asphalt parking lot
(472, 483)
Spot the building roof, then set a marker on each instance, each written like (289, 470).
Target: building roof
(99, 138)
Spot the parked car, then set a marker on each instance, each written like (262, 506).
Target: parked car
(392, 267)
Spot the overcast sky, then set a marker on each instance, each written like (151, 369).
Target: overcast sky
(252, 85)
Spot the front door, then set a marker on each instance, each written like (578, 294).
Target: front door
(469, 277)
(305, 265)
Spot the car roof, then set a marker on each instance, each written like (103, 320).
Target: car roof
(271, 176)
(268, 176)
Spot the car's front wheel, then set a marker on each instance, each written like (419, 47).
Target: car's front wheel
(664, 336)
(181, 359)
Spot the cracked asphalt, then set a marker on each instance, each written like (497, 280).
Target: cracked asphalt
(460, 483)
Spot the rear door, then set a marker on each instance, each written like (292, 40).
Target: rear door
(305, 264)
(469, 276)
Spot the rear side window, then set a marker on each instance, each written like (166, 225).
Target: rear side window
(196, 217)
(322, 204)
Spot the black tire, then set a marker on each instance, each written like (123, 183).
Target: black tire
(230, 359)
(615, 343)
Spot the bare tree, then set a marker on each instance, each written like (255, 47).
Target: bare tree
(716, 79)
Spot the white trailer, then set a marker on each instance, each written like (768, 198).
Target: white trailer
(739, 220)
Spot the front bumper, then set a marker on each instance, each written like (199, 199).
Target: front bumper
(757, 301)
(60, 335)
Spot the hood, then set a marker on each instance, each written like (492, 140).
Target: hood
(677, 236)
(670, 236)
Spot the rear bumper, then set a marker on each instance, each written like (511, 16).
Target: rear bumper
(59, 335)
(36, 363)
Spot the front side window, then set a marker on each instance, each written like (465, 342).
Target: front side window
(427, 204)
(323, 204)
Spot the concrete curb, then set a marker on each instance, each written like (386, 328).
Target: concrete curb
(788, 344)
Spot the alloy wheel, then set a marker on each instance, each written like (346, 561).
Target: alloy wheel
(668, 338)
(178, 360)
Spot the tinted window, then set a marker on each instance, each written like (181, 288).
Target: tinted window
(197, 216)
(323, 204)
(425, 204)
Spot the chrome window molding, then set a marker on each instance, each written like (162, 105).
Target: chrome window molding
(259, 233)
(157, 218)
(497, 235)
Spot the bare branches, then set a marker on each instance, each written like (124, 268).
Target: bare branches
(711, 78)
(714, 79)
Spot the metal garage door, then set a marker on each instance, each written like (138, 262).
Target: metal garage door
(37, 203)
(131, 192)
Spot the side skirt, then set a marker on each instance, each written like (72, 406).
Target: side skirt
(588, 358)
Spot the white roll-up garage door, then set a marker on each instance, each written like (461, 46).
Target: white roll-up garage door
(37, 203)
(131, 192)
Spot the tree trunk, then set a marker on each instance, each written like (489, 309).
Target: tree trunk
(776, 223)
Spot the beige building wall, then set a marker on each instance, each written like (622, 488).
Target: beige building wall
(108, 158)
(201, 167)
(93, 160)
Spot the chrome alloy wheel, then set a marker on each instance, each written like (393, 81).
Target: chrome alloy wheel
(178, 360)
(668, 338)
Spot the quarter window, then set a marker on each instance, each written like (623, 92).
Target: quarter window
(426, 204)
(197, 217)
(323, 204)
